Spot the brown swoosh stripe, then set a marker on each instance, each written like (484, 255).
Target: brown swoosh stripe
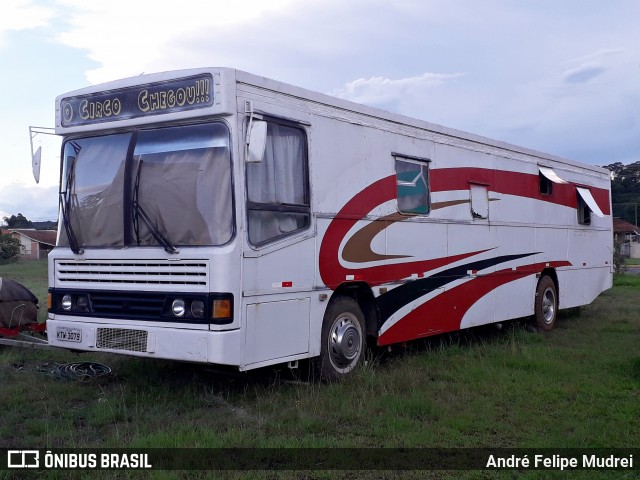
(358, 247)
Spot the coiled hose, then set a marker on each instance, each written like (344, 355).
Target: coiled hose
(80, 371)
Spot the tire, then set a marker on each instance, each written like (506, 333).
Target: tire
(343, 340)
(546, 304)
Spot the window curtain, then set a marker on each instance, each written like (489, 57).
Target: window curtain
(278, 180)
(188, 196)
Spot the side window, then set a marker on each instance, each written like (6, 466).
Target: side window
(546, 185)
(479, 200)
(412, 180)
(587, 206)
(547, 178)
(584, 212)
(278, 187)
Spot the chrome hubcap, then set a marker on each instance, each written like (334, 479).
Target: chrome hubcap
(345, 342)
(548, 306)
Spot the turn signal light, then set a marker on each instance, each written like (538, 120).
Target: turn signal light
(221, 309)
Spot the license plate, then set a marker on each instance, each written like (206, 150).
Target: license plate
(66, 334)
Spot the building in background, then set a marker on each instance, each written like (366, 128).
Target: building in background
(34, 244)
(627, 234)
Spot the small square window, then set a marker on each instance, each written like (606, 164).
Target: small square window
(546, 185)
(587, 206)
(584, 212)
(412, 183)
(547, 178)
(479, 201)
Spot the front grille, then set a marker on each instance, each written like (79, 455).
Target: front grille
(135, 305)
(122, 339)
(132, 305)
(181, 275)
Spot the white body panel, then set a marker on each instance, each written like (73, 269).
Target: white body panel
(473, 259)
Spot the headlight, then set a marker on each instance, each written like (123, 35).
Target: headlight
(82, 303)
(197, 309)
(67, 302)
(178, 307)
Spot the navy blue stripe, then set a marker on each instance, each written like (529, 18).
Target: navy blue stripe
(395, 299)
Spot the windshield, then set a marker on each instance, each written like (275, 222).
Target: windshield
(168, 186)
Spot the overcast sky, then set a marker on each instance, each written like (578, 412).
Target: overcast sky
(560, 76)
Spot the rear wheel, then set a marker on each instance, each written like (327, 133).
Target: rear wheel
(343, 340)
(546, 304)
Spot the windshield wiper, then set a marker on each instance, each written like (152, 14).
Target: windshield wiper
(139, 213)
(66, 198)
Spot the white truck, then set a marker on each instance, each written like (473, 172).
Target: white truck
(216, 216)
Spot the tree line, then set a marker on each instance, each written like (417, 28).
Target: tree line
(625, 190)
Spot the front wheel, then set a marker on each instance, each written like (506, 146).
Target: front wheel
(343, 340)
(546, 304)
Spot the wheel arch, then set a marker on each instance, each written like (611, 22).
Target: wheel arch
(552, 274)
(362, 293)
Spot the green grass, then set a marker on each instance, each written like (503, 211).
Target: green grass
(578, 386)
(632, 261)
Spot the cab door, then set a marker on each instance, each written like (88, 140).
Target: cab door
(279, 248)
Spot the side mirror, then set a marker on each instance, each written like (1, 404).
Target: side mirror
(256, 141)
(35, 164)
(37, 157)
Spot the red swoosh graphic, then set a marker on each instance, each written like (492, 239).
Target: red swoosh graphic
(444, 313)
(333, 274)
(444, 179)
(512, 183)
